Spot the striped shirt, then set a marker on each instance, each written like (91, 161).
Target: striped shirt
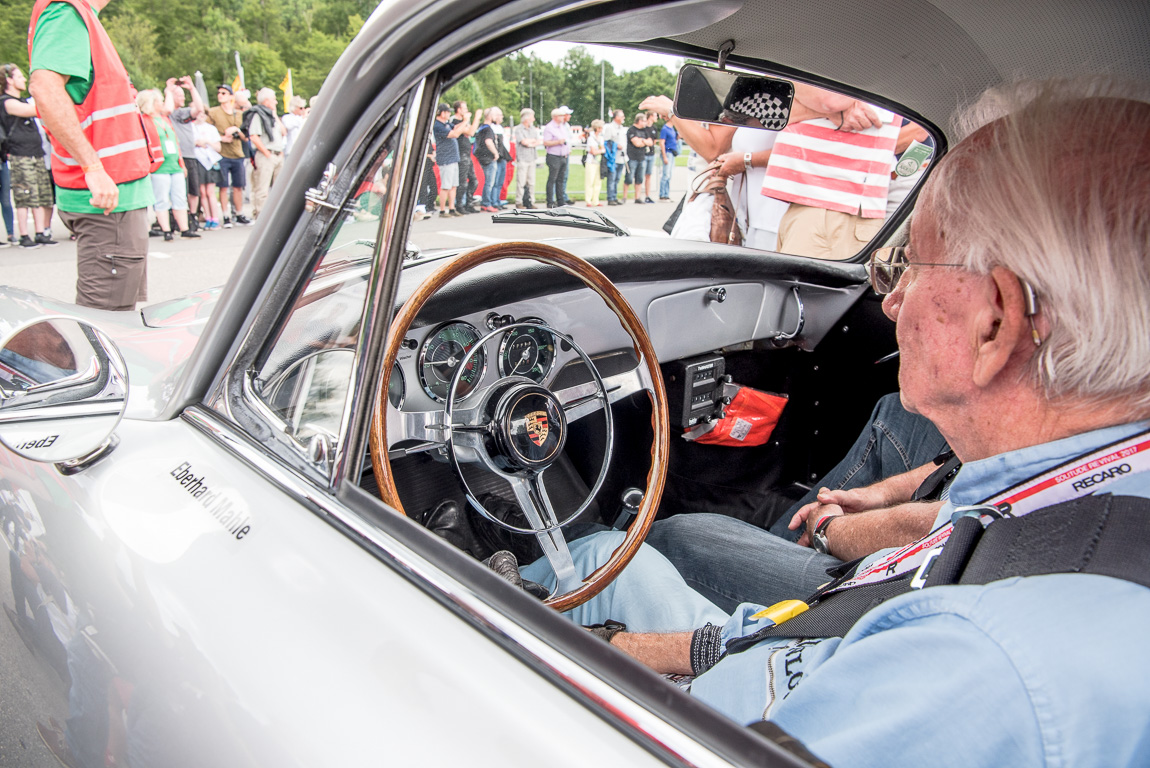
(813, 164)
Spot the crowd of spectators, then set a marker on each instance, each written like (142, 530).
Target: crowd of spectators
(475, 161)
(208, 155)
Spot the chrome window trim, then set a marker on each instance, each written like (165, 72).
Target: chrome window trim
(236, 390)
(618, 709)
(349, 446)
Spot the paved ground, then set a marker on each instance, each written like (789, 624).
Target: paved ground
(183, 266)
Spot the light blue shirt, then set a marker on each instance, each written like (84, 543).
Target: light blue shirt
(1046, 670)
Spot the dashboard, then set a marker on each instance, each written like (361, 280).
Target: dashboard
(523, 313)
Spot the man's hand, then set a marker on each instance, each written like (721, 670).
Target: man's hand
(859, 117)
(105, 193)
(661, 105)
(186, 82)
(809, 515)
(732, 163)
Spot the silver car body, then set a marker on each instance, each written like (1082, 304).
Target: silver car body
(234, 603)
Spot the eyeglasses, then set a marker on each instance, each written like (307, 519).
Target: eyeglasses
(886, 266)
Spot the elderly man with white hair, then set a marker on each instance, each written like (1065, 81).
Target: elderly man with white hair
(1022, 311)
(293, 121)
(269, 140)
(557, 142)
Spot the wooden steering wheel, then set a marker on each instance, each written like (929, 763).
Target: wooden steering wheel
(518, 428)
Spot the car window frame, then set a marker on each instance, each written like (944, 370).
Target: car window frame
(234, 398)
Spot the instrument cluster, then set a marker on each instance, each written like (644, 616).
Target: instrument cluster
(523, 350)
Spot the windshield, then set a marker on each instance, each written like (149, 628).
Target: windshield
(517, 152)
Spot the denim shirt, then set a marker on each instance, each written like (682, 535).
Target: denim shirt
(1045, 670)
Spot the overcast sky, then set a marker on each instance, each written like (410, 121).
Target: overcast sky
(621, 59)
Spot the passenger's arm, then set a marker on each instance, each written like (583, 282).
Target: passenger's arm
(667, 654)
(865, 533)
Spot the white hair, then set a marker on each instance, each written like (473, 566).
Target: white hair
(264, 94)
(1053, 183)
(147, 100)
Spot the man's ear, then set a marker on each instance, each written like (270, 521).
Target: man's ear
(1001, 327)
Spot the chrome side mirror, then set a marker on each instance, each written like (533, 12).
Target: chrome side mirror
(63, 390)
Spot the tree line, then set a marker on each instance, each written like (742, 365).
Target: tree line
(158, 39)
(579, 81)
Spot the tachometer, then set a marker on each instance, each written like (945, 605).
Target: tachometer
(442, 354)
(527, 352)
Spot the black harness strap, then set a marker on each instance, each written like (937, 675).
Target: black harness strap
(1103, 535)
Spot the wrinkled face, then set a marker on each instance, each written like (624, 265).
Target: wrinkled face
(932, 308)
(640, 121)
(528, 119)
(178, 97)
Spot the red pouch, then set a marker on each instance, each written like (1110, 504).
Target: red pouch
(748, 420)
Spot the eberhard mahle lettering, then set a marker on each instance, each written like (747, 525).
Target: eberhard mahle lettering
(219, 505)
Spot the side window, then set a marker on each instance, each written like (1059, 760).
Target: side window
(303, 379)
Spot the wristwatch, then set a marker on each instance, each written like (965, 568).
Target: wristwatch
(819, 537)
(746, 161)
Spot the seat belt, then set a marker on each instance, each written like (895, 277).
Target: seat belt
(1102, 534)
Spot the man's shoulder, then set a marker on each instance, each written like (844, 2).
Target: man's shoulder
(60, 11)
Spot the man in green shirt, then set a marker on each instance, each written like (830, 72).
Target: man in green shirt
(109, 220)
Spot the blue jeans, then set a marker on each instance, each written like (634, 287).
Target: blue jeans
(637, 593)
(649, 168)
(500, 177)
(636, 167)
(665, 176)
(557, 179)
(731, 562)
(6, 199)
(612, 180)
(490, 171)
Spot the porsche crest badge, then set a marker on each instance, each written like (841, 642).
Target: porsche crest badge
(537, 427)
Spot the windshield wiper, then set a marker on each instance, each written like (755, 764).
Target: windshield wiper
(564, 217)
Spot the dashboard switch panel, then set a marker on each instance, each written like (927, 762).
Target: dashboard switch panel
(695, 389)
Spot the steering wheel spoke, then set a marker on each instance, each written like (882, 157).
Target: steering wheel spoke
(536, 506)
(584, 399)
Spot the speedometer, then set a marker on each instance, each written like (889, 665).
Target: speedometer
(527, 352)
(441, 356)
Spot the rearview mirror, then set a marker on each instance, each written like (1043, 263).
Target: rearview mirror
(63, 389)
(718, 96)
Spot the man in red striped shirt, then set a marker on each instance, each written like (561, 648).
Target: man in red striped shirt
(836, 179)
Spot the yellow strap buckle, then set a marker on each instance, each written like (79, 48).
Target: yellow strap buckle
(782, 611)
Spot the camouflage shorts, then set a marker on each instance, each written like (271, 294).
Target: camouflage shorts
(31, 183)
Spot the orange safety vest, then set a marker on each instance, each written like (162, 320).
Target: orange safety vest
(128, 147)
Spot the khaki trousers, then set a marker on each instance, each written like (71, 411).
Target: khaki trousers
(111, 258)
(822, 234)
(267, 169)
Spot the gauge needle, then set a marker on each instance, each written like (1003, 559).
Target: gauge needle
(450, 362)
(523, 358)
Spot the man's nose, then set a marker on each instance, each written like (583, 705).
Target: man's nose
(892, 302)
